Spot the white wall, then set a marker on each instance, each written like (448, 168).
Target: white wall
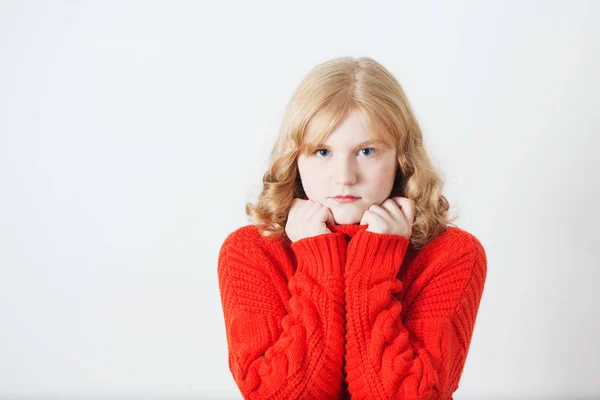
(133, 132)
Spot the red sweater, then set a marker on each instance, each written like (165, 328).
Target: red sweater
(349, 314)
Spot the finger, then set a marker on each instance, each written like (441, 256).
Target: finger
(323, 214)
(365, 218)
(330, 219)
(311, 210)
(297, 204)
(380, 211)
(372, 218)
(297, 210)
(407, 208)
(393, 209)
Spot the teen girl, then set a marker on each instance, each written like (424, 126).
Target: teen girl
(352, 282)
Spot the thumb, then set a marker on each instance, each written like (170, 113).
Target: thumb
(330, 220)
(363, 220)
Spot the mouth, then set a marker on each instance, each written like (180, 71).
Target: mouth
(345, 199)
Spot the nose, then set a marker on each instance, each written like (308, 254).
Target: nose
(344, 172)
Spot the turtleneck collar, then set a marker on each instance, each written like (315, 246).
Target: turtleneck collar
(347, 229)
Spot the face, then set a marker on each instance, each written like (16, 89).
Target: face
(345, 165)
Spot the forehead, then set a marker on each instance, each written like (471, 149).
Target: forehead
(351, 130)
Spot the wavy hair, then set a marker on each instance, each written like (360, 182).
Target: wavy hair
(329, 91)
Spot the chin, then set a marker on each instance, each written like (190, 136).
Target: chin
(346, 219)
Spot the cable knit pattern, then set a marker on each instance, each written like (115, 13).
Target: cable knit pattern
(349, 314)
(286, 335)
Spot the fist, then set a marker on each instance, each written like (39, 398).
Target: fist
(307, 218)
(395, 216)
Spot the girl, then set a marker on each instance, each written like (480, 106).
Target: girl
(353, 282)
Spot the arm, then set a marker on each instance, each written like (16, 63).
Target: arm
(419, 355)
(277, 350)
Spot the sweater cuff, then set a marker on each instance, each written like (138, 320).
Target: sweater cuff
(376, 255)
(321, 255)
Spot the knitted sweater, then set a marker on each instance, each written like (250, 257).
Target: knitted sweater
(349, 314)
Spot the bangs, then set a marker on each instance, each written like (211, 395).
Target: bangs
(325, 120)
(381, 132)
(321, 125)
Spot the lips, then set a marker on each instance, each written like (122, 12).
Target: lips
(347, 199)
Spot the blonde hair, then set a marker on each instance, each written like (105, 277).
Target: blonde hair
(319, 103)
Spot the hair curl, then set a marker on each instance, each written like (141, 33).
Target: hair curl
(319, 103)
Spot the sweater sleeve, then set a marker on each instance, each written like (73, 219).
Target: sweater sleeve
(284, 346)
(418, 353)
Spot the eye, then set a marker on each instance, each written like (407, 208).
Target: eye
(369, 148)
(319, 150)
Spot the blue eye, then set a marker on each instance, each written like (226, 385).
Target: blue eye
(368, 148)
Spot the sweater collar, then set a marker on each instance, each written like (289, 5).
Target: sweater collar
(347, 229)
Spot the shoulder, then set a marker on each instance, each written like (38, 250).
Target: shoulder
(241, 236)
(455, 245)
(249, 235)
(454, 238)
(458, 238)
(246, 242)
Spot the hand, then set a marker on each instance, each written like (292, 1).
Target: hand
(395, 216)
(307, 218)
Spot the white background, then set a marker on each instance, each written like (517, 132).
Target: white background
(132, 133)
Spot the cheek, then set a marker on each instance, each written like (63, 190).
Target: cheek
(309, 175)
(311, 178)
(382, 180)
(383, 177)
